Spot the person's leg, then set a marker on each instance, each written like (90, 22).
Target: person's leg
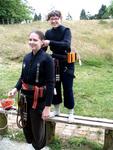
(57, 99)
(27, 129)
(38, 130)
(28, 132)
(67, 81)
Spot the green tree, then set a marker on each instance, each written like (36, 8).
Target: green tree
(37, 17)
(83, 15)
(110, 9)
(14, 9)
(102, 14)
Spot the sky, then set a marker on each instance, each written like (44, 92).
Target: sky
(73, 7)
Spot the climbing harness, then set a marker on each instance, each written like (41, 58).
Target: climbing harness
(22, 111)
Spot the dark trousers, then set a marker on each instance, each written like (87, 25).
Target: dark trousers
(35, 129)
(66, 80)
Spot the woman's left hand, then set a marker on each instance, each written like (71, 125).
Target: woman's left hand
(46, 112)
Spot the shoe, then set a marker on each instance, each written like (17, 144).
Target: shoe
(71, 115)
(46, 148)
(56, 111)
(71, 118)
(29, 147)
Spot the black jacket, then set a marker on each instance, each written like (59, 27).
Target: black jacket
(60, 39)
(46, 73)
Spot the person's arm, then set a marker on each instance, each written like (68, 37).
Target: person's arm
(65, 42)
(12, 93)
(17, 87)
(46, 112)
(19, 84)
(50, 82)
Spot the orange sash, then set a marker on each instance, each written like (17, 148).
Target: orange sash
(38, 92)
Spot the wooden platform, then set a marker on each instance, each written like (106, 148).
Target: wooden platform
(86, 121)
(104, 123)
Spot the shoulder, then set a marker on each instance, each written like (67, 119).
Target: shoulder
(48, 31)
(27, 56)
(48, 57)
(65, 29)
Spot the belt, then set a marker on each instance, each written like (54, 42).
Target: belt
(38, 92)
(58, 56)
(71, 57)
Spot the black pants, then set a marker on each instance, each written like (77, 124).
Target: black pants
(66, 80)
(35, 129)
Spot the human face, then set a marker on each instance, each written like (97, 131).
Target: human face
(55, 21)
(35, 42)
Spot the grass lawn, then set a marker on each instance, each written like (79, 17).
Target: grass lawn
(93, 91)
(93, 84)
(92, 87)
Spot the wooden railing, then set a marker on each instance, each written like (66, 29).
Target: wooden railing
(104, 123)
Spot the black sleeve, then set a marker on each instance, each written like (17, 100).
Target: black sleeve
(19, 82)
(65, 42)
(50, 79)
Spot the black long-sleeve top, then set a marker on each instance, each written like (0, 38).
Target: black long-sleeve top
(46, 73)
(60, 39)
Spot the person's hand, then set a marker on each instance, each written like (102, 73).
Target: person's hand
(12, 93)
(46, 43)
(46, 112)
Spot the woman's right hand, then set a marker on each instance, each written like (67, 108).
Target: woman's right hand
(12, 92)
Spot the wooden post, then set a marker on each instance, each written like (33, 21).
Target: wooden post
(3, 123)
(108, 140)
(50, 131)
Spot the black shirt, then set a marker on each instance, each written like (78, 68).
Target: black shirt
(45, 76)
(60, 39)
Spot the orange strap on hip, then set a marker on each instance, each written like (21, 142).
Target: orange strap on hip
(38, 93)
(36, 96)
(71, 57)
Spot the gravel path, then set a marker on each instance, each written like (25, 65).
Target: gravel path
(6, 144)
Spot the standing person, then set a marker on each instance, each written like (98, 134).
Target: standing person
(58, 38)
(36, 85)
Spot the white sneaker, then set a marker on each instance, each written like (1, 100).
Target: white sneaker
(56, 112)
(46, 148)
(71, 115)
(29, 147)
(71, 118)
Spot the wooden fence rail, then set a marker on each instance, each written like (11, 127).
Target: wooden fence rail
(104, 123)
